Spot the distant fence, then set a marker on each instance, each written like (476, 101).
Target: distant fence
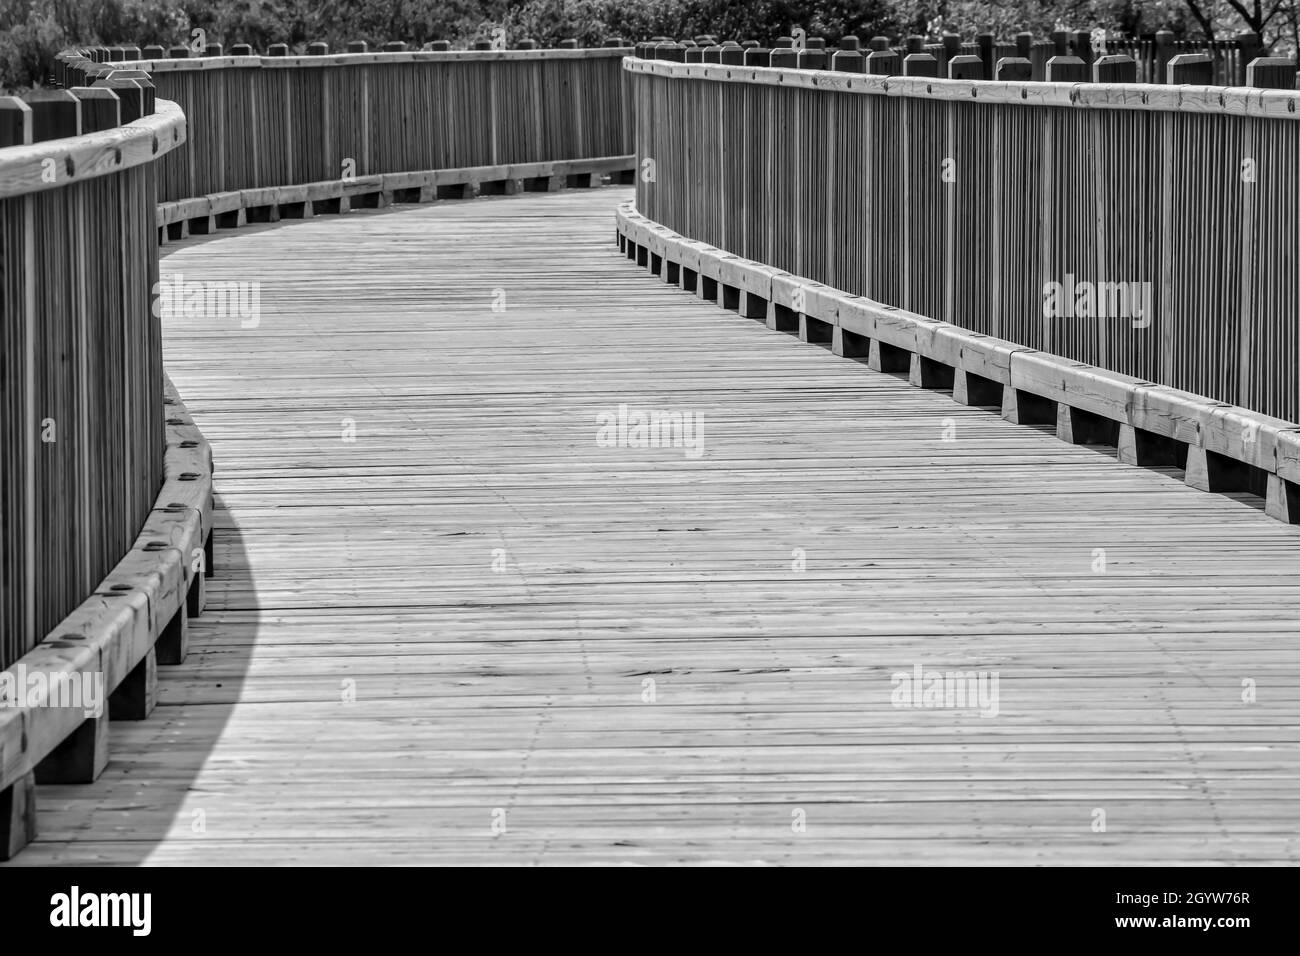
(280, 120)
(1219, 62)
(81, 382)
(1011, 209)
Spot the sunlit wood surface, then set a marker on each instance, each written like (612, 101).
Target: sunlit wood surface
(561, 652)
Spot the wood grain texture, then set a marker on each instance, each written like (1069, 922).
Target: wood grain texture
(968, 202)
(521, 690)
(76, 159)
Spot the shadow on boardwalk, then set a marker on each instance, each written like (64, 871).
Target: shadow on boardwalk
(568, 651)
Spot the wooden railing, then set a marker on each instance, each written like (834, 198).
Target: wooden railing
(989, 204)
(1218, 62)
(105, 484)
(81, 405)
(278, 121)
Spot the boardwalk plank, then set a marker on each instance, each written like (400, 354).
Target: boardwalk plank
(520, 687)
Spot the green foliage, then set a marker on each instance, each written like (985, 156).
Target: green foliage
(32, 31)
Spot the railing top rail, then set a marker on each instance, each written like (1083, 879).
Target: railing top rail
(182, 64)
(23, 169)
(1227, 100)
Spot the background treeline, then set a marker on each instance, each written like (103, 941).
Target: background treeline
(32, 31)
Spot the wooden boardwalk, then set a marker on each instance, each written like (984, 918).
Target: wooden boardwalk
(497, 591)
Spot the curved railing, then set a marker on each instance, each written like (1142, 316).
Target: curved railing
(82, 426)
(105, 490)
(280, 121)
(105, 485)
(1146, 230)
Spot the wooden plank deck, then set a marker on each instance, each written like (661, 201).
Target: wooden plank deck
(369, 564)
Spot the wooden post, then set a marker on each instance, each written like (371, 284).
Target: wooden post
(395, 46)
(1060, 43)
(1114, 68)
(17, 815)
(1082, 44)
(915, 44)
(733, 54)
(1271, 73)
(100, 108)
(1024, 45)
(984, 42)
(82, 756)
(883, 63)
(784, 57)
(1249, 47)
(212, 49)
(920, 64)
(134, 698)
(1195, 69)
(55, 114)
(15, 122)
(1067, 69)
(965, 68)
(241, 49)
(845, 61)
(760, 56)
(1164, 53)
(318, 48)
(131, 95)
(1014, 68)
(951, 49)
(357, 46)
(879, 44)
(812, 58)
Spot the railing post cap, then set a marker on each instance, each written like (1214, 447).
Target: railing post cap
(848, 61)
